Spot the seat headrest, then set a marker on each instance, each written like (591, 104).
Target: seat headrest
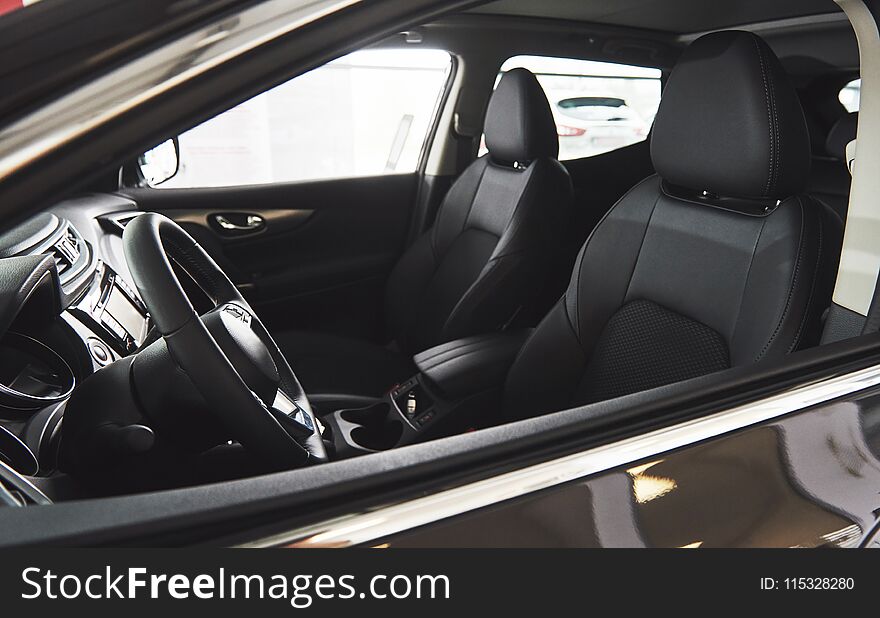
(842, 133)
(519, 124)
(730, 122)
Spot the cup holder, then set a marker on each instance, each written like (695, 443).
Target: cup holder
(378, 438)
(369, 429)
(371, 415)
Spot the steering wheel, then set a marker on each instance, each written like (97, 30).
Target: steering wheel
(228, 354)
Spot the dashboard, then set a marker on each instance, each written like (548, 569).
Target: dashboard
(57, 330)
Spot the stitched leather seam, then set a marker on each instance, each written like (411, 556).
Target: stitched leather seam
(522, 129)
(514, 223)
(191, 257)
(415, 315)
(742, 295)
(794, 280)
(454, 348)
(464, 225)
(585, 363)
(770, 119)
(807, 313)
(641, 246)
(484, 274)
(582, 254)
(777, 163)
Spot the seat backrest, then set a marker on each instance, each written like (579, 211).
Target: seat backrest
(496, 231)
(716, 261)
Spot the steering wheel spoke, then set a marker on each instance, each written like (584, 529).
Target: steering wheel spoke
(295, 420)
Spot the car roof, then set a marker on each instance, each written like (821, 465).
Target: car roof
(674, 16)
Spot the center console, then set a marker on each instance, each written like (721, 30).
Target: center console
(458, 388)
(113, 311)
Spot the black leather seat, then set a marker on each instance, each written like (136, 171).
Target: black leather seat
(483, 261)
(829, 178)
(716, 261)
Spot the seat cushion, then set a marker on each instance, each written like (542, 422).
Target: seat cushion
(645, 345)
(330, 364)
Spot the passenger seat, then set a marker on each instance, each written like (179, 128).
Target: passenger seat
(484, 262)
(719, 260)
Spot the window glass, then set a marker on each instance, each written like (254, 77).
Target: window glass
(365, 114)
(849, 95)
(598, 106)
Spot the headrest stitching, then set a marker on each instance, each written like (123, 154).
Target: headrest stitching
(719, 72)
(777, 163)
(770, 169)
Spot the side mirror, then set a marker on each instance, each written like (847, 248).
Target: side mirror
(160, 163)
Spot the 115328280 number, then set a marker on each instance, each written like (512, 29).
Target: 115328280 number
(818, 583)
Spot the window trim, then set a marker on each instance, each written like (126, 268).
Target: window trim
(439, 108)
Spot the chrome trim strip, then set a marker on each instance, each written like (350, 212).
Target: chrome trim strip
(136, 83)
(380, 523)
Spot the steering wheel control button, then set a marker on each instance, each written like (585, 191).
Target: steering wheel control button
(298, 424)
(303, 420)
(99, 351)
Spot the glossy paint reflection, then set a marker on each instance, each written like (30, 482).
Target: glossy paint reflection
(807, 480)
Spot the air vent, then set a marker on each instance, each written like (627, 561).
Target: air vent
(49, 234)
(115, 223)
(70, 252)
(66, 251)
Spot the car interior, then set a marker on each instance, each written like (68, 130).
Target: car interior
(589, 205)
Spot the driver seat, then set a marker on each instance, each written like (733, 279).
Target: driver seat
(480, 266)
(718, 260)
